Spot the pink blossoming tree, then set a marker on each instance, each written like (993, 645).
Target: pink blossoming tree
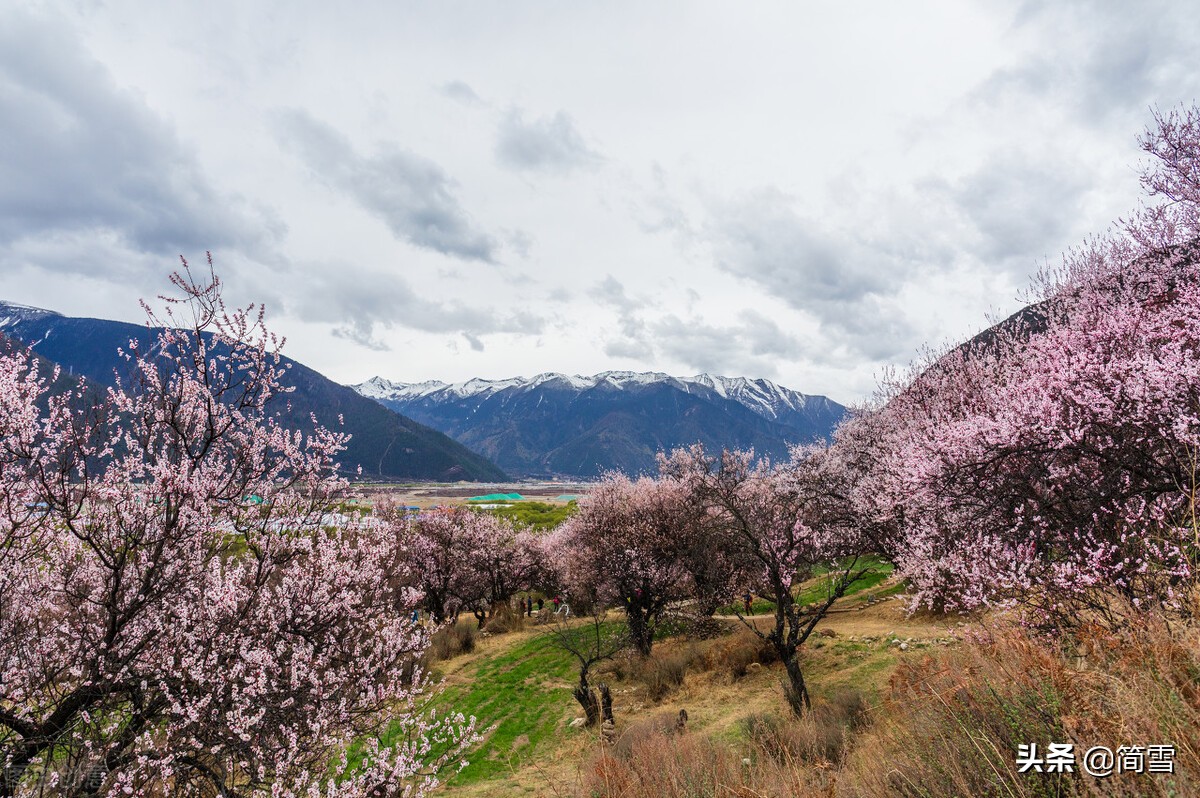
(161, 633)
(465, 560)
(1053, 462)
(626, 548)
(780, 523)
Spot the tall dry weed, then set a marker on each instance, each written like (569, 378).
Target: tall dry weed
(952, 724)
(693, 766)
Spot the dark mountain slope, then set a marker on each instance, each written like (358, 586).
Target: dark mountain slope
(385, 443)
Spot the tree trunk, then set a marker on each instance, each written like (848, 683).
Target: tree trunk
(587, 699)
(640, 633)
(606, 703)
(794, 689)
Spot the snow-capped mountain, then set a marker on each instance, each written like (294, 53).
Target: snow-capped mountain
(379, 388)
(12, 314)
(764, 397)
(582, 425)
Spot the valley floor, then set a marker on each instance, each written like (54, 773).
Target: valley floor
(520, 682)
(937, 707)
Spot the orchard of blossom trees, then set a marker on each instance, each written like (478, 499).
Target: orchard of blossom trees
(711, 527)
(461, 559)
(1051, 463)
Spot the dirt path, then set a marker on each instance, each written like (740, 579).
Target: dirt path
(884, 619)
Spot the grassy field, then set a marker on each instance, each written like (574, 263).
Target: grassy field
(518, 687)
(932, 706)
(535, 515)
(817, 589)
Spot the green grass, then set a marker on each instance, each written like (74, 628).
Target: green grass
(817, 589)
(759, 606)
(524, 693)
(536, 515)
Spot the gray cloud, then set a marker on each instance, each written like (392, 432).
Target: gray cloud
(658, 210)
(359, 303)
(548, 144)
(1023, 208)
(843, 282)
(763, 240)
(361, 335)
(459, 91)
(610, 291)
(1102, 61)
(764, 337)
(633, 341)
(88, 168)
(410, 193)
(755, 345)
(631, 348)
(520, 242)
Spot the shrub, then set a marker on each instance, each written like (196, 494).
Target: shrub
(636, 734)
(662, 673)
(821, 736)
(505, 619)
(659, 764)
(451, 640)
(952, 724)
(735, 654)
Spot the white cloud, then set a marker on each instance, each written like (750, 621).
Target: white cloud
(805, 192)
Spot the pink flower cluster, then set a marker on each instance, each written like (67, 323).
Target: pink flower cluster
(462, 559)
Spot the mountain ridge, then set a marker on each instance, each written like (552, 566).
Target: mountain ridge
(555, 424)
(751, 392)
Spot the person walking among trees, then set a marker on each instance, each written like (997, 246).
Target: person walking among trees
(748, 600)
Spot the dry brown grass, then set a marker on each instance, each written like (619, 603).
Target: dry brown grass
(734, 655)
(694, 766)
(952, 723)
(935, 721)
(820, 738)
(504, 619)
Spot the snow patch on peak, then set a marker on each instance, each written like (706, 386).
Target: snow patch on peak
(380, 388)
(13, 313)
(625, 379)
(759, 395)
(477, 386)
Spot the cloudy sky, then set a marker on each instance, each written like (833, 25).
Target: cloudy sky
(800, 191)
